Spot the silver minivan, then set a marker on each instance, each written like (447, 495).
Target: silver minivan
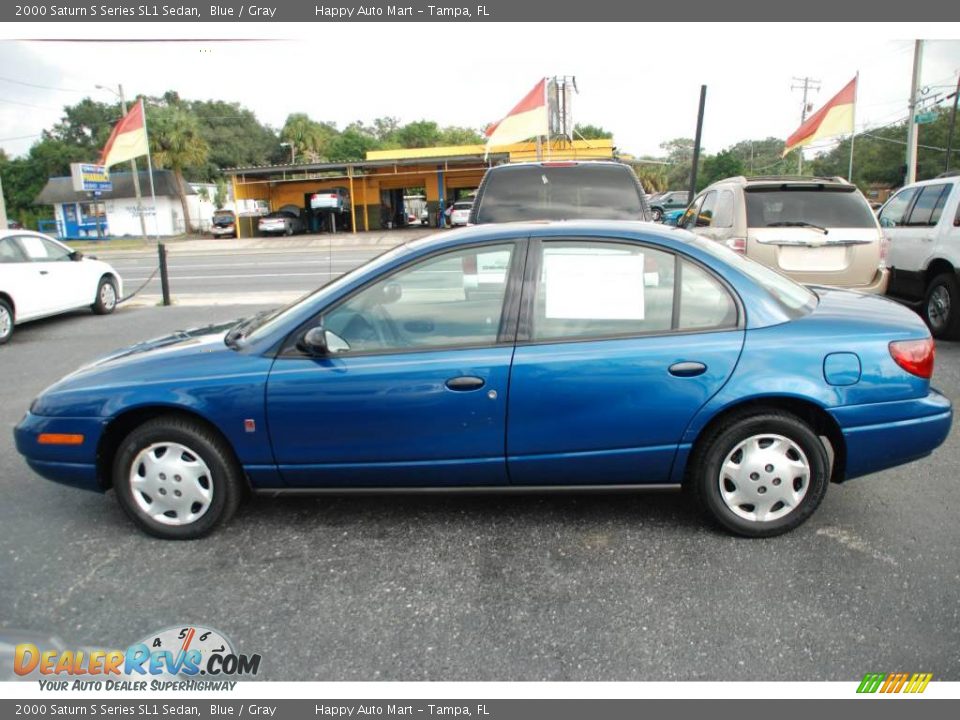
(817, 230)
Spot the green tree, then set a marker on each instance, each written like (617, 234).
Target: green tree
(352, 144)
(220, 196)
(176, 142)
(717, 167)
(453, 135)
(235, 138)
(764, 157)
(310, 138)
(418, 134)
(591, 132)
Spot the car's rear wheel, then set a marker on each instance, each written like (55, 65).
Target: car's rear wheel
(760, 475)
(288, 231)
(6, 322)
(941, 307)
(106, 301)
(176, 478)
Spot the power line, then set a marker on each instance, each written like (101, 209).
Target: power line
(42, 87)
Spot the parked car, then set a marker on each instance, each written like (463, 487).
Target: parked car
(40, 276)
(460, 215)
(624, 355)
(285, 221)
(667, 201)
(223, 224)
(567, 190)
(672, 217)
(335, 199)
(816, 230)
(922, 224)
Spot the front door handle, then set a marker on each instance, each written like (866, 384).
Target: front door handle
(688, 368)
(465, 383)
(42, 272)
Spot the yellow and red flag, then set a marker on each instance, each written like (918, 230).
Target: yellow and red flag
(834, 118)
(128, 139)
(526, 120)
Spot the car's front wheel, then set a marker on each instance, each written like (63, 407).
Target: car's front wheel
(941, 307)
(761, 474)
(6, 322)
(106, 301)
(176, 478)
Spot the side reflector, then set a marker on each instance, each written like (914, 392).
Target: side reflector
(59, 439)
(914, 356)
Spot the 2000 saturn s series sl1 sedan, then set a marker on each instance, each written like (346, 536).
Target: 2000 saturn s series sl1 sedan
(554, 355)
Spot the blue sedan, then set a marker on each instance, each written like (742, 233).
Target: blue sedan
(543, 356)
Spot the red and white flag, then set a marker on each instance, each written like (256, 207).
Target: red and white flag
(128, 139)
(834, 118)
(526, 120)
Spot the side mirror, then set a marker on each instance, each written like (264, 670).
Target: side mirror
(314, 341)
(76, 256)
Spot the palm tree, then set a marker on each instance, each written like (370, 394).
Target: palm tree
(176, 143)
(309, 137)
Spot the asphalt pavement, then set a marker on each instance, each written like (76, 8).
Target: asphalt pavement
(590, 587)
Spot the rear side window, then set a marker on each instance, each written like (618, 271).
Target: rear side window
(929, 205)
(10, 252)
(716, 210)
(799, 206)
(563, 192)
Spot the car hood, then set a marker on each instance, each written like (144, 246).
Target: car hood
(172, 359)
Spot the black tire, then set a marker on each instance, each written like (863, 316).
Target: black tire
(224, 475)
(704, 472)
(657, 214)
(941, 306)
(288, 231)
(107, 296)
(7, 319)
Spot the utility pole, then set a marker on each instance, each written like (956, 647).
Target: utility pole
(696, 143)
(911, 175)
(953, 124)
(808, 84)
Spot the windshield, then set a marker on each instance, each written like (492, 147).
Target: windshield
(794, 297)
(262, 325)
(566, 192)
(812, 206)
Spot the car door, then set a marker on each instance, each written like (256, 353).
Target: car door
(620, 345)
(414, 389)
(63, 284)
(16, 280)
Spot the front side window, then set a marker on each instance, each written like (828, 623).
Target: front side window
(450, 300)
(38, 249)
(686, 220)
(599, 289)
(893, 212)
(707, 209)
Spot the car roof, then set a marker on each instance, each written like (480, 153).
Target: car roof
(782, 180)
(558, 164)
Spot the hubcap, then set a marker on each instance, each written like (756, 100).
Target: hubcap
(108, 296)
(171, 484)
(6, 322)
(764, 478)
(938, 307)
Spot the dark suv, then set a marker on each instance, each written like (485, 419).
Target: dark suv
(562, 190)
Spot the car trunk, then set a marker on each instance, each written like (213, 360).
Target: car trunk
(848, 257)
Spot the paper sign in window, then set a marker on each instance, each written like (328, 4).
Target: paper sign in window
(594, 287)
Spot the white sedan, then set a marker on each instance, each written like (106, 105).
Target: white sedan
(40, 276)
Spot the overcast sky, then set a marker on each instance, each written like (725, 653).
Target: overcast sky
(640, 81)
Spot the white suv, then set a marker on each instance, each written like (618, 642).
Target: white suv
(922, 224)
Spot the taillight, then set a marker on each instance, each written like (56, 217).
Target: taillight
(914, 356)
(737, 244)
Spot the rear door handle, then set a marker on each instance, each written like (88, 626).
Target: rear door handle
(43, 272)
(465, 383)
(688, 368)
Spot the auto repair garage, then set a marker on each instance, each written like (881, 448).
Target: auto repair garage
(370, 195)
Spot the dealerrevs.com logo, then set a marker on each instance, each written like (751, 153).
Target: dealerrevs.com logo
(889, 683)
(172, 659)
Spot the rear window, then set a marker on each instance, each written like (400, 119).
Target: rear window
(575, 192)
(462, 205)
(797, 206)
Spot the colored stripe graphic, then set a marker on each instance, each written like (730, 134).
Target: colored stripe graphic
(891, 683)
